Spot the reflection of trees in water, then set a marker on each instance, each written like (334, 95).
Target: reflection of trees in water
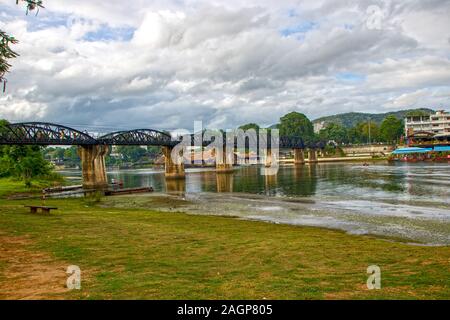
(301, 180)
(298, 180)
(176, 186)
(248, 179)
(133, 180)
(208, 181)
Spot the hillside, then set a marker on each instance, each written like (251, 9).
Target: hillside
(352, 118)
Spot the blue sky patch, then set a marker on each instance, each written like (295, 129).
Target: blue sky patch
(105, 33)
(350, 77)
(299, 28)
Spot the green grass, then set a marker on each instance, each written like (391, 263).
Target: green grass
(13, 186)
(144, 254)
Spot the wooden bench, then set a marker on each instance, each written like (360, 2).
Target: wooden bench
(34, 209)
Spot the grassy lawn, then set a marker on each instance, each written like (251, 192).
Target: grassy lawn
(12, 186)
(143, 254)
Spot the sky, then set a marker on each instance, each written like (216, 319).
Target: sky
(165, 64)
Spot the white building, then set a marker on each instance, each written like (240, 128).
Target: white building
(438, 124)
(319, 126)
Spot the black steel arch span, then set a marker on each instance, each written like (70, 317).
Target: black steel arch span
(286, 142)
(138, 137)
(43, 133)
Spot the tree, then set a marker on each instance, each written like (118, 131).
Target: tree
(296, 124)
(54, 153)
(354, 136)
(6, 40)
(132, 153)
(417, 113)
(336, 132)
(368, 132)
(391, 129)
(71, 156)
(23, 162)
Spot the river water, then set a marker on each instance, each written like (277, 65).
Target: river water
(401, 200)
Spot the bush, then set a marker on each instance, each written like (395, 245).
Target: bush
(93, 198)
(24, 162)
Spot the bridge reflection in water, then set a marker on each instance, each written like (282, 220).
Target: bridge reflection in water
(175, 186)
(295, 180)
(224, 182)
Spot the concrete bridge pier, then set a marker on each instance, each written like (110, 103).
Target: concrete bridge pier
(226, 165)
(299, 156)
(312, 156)
(93, 166)
(173, 170)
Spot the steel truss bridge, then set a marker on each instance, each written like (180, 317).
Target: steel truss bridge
(43, 133)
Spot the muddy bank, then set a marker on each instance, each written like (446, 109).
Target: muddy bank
(409, 221)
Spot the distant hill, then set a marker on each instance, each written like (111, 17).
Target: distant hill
(353, 118)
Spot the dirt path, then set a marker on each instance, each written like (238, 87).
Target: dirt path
(26, 274)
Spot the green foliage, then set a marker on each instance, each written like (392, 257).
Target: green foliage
(6, 53)
(391, 129)
(54, 153)
(93, 198)
(368, 132)
(351, 119)
(334, 151)
(69, 155)
(249, 126)
(418, 113)
(131, 153)
(154, 151)
(23, 162)
(296, 124)
(335, 132)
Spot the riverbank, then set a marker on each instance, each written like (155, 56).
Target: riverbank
(12, 187)
(145, 254)
(339, 159)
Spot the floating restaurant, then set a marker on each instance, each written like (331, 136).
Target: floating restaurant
(415, 154)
